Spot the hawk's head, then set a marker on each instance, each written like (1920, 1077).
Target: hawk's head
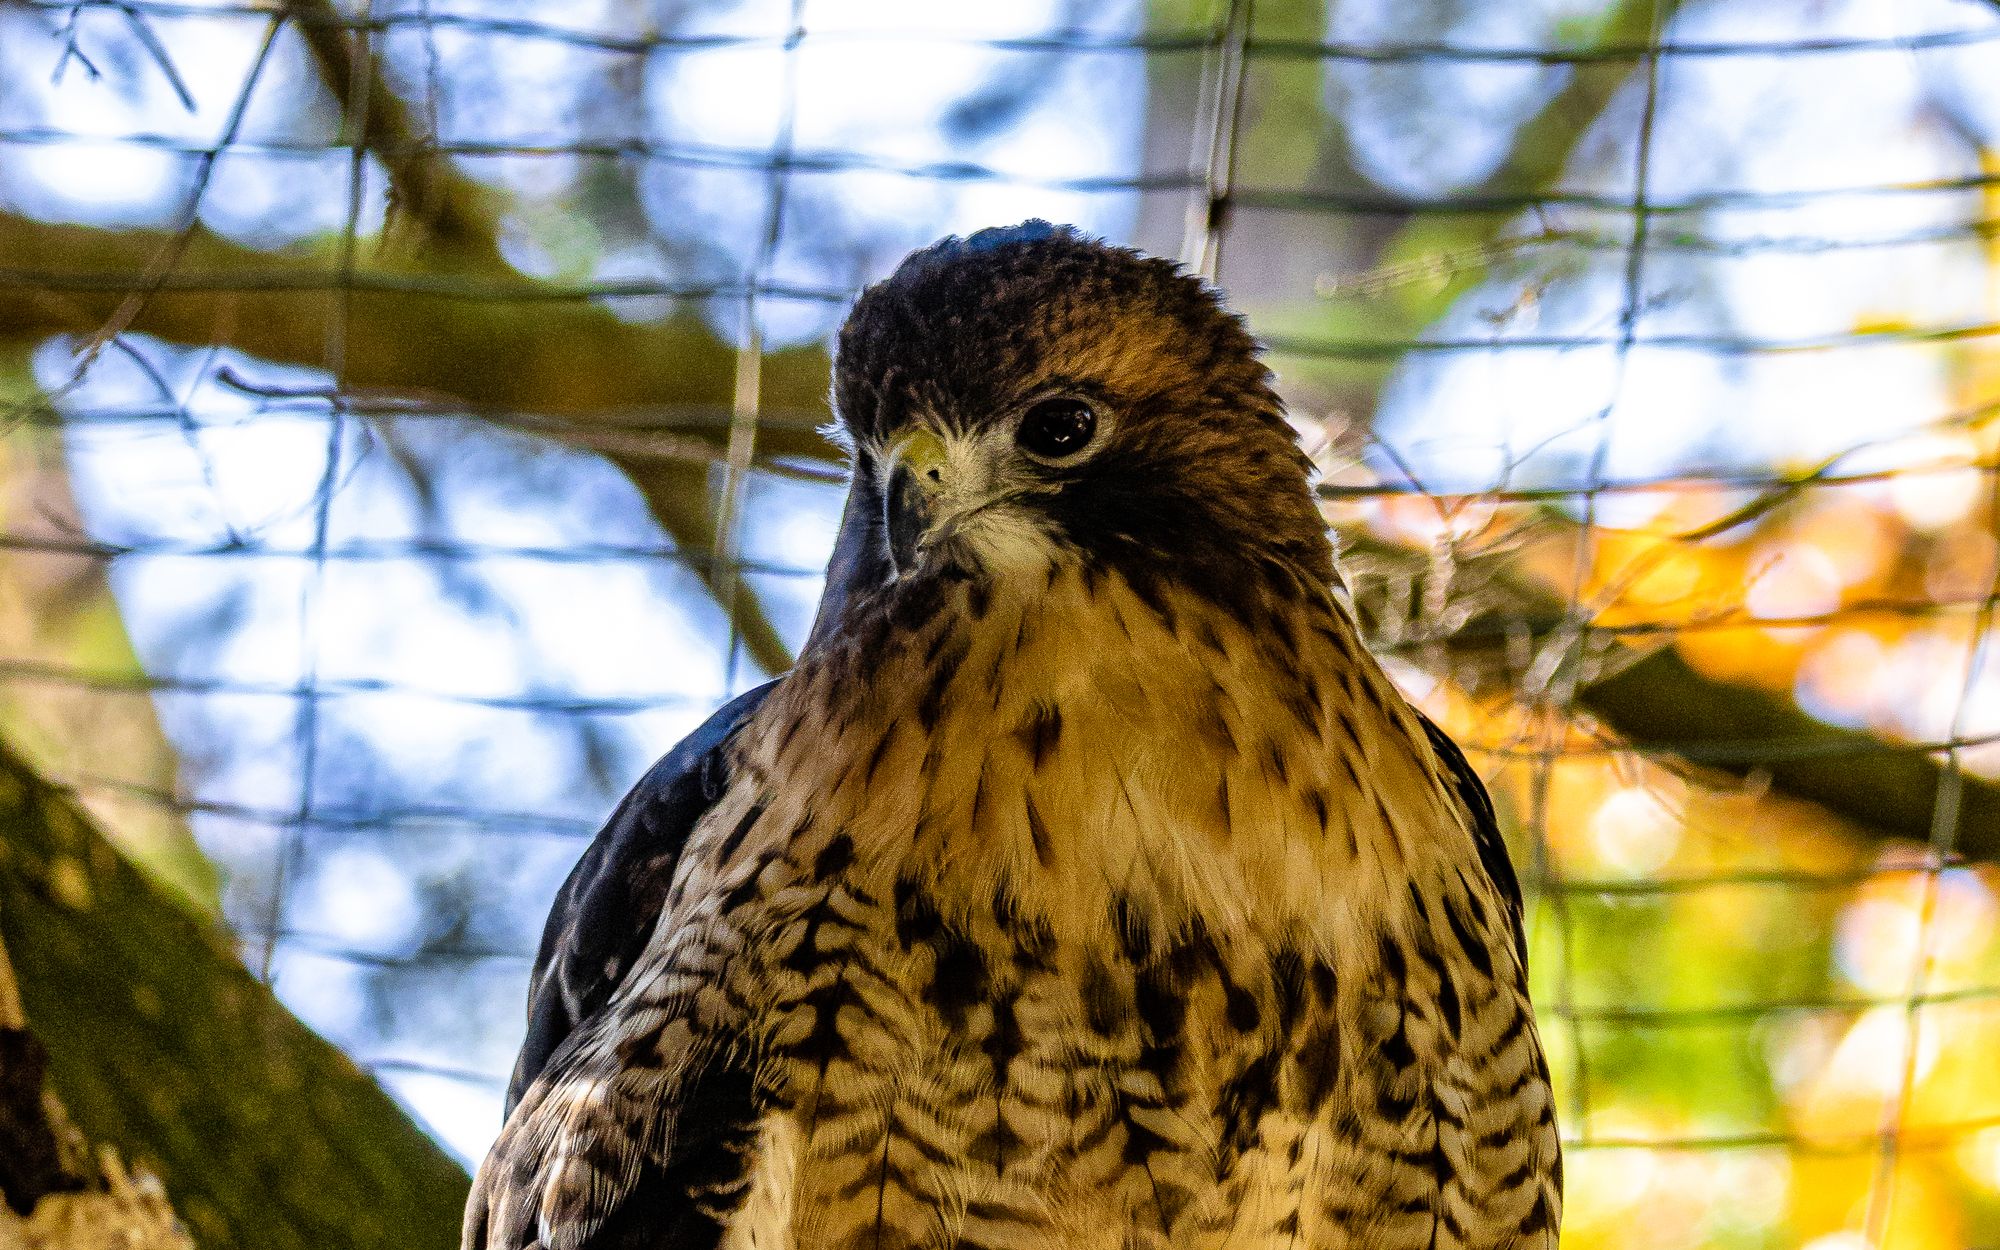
(1029, 395)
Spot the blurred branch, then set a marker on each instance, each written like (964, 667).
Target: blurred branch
(451, 210)
(1545, 142)
(1394, 273)
(1654, 700)
(511, 348)
(1484, 624)
(161, 1045)
(149, 39)
(419, 328)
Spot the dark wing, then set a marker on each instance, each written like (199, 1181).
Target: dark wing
(1485, 830)
(638, 1162)
(604, 912)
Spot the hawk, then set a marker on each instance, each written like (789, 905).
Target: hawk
(1086, 885)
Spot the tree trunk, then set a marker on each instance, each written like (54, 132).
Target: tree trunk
(161, 1046)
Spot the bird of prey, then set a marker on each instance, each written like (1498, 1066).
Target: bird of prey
(1085, 886)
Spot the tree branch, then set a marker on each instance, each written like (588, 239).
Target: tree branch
(1546, 142)
(164, 1047)
(451, 210)
(1655, 700)
(419, 328)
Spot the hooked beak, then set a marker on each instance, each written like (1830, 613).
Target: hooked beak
(917, 467)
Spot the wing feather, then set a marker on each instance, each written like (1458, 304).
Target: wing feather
(1485, 830)
(603, 913)
(608, 1159)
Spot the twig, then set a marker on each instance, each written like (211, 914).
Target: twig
(450, 210)
(158, 51)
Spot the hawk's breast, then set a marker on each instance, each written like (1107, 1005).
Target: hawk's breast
(1178, 941)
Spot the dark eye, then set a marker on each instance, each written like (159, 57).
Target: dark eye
(1056, 428)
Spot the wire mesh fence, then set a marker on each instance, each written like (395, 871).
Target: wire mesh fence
(411, 432)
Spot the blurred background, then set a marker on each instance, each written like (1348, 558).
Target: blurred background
(407, 432)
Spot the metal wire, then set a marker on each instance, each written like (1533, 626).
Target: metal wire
(739, 434)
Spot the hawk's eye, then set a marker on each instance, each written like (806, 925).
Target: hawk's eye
(1057, 428)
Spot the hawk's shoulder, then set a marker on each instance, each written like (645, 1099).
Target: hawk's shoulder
(604, 911)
